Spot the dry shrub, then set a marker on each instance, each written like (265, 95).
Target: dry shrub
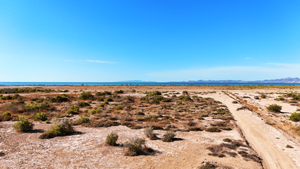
(58, 129)
(191, 124)
(213, 129)
(216, 150)
(233, 145)
(250, 156)
(112, 138)
(134, 146)
(208, 166)
(23, 125)
(194, 129)
(169, 137)
(149, 133)
(100, 123)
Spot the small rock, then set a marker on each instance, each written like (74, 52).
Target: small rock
(288, 146)
(2, 154)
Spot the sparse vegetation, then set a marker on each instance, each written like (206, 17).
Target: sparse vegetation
(111, 139)
(40, 117)
(86, 96)
(7, 113)
(23, 125)
(134, 146)
(169, 137)
(58, 130)
(73, 109)
(274, 108)
(295, 117)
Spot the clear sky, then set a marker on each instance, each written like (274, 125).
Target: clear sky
(150, 40)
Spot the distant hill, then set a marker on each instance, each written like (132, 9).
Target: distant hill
(284, 80)
(136, 81)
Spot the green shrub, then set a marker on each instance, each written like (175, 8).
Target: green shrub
(274, 108)
(296, 97)
(86, 96)
(185, 98)
(84, 119)
(152, 117)
(279, 98)
(7, 113)
(111, 139)
(83, 104)
(208, 166)
(47, 121)
(100, 94)
(134, 146)
(107, 92)
(59, 99)
(40, 117)
(118, 91)
(153, 93)
(105, 102)
(32, 107)
(263, 96)
(73, 109)
(168, 137)
(101, 99)
(295, 117)
(101, 105)
(58, 130)
(23, 125)
(118, 107)
(94, 111)
(109, 99)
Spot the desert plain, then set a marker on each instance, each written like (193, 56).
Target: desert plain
(156, 127)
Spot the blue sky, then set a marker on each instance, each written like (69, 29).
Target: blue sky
(150, 40)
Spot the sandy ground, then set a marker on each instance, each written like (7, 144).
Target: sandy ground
(88, 150)
(269, 142)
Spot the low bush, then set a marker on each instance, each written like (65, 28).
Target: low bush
(213, 129)
(274, 108)
(168, 137)
(33, 107)
(185, 98)
(208, 166)
(109, 99)
(84, 119)
(7, 113)
(153, 93)
(118, 91)
(118, 107)
(73, 109)
(83, 104)
(86, 96)
(134, 146)
(58, 130)
(23, 125)
(101, 99)
(149, 133)
(295, 117)
(94, 111)
(40, 117)
(101, 105)
(111, 139)
(59, 99)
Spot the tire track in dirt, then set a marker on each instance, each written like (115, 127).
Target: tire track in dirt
(256, 133)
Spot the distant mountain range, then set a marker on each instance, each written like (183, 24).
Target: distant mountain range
(284, 80)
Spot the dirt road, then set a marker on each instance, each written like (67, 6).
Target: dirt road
(268, 142)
